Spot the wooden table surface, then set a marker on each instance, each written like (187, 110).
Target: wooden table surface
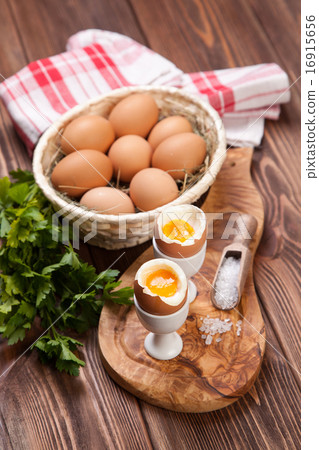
(41, 408)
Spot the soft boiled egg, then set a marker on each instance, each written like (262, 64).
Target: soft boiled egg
(180, 231)
(160, 287)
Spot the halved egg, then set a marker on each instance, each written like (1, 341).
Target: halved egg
(180, 231)
(160, 287)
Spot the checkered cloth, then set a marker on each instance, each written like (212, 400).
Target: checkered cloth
(98, 61)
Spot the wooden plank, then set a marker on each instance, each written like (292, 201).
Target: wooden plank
(238, 424)
(101, 411)
(273, 405)
(280, 22)
(12, 58)
(12, 151)
(46, 32)
(63, 411)
(12, 55)
(42, 408)
(277, 273)
(267, 418)
(207, 36)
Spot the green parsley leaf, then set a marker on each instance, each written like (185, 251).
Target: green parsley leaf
(70, 367)
(27, 310)
(42, 277)
(6, 307)
(4, 189)
(24, 176)
(18, 192)
(5, 227)
(17, 335)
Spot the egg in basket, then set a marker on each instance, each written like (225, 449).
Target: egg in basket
(113, 163)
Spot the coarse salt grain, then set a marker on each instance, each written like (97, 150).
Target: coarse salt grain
(217, 326)
(239, 322)
(226, 294)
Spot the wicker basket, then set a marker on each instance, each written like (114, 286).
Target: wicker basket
(127, 230)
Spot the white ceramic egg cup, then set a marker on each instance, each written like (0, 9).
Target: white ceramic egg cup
(163, 342)
(190, 266)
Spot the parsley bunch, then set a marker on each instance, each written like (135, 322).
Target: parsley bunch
(41, 277)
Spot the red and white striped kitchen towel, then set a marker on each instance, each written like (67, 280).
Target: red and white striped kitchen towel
(98, 61)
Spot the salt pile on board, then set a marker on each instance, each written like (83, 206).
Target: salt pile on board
(217, 326)
(214, 326)
(226, 294)
(238, 325)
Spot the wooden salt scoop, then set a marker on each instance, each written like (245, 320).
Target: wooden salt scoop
(239, 250)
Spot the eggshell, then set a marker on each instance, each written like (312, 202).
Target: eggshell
(87, 132)
(80, 171)
(154, 305)
(151, 188)
(107, 200)
(136, 114)
(181, 151)
(176, 250)
(168, 127)
(192, 215)
(179, 251)
(130, 154)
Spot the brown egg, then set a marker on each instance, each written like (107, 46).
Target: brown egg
(90, 131)
(151, 188)
(160, 287)
(130, 154)
(80, 171)
(168, 127)
(136, 114)
(180, 231)
(182, 151)
(107, 200)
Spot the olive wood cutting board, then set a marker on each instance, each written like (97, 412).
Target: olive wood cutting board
(203, 377)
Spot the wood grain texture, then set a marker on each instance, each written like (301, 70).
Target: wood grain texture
(58, 411)
(202, 378)
(277, 176)
(57, 21)
(12, 55)
(262, 419)
(12, 58)
(196, 35)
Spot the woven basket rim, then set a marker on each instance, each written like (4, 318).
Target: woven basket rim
(189, 196)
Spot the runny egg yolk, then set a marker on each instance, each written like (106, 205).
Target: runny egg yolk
(162, 282)
(178, 229)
